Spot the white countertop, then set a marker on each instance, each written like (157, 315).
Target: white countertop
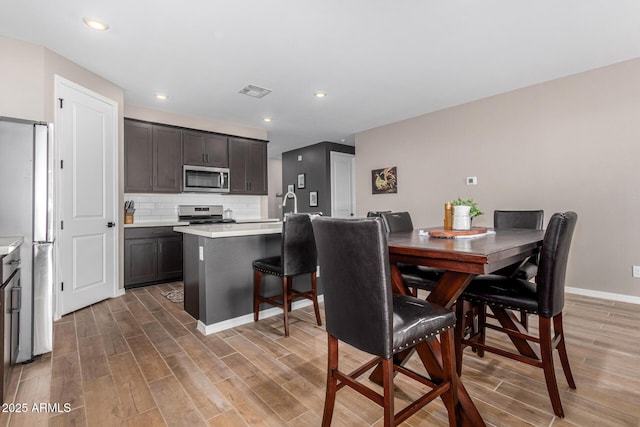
(9, 244)
(156, 224)
(214, 231)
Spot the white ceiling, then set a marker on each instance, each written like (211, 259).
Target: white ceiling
(379, 60)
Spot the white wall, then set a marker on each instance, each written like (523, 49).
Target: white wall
(275, 187)
(21, 80)
(211, 125)
(568, 144)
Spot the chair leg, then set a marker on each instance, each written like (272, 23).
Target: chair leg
(286, 303)
(524, 319)
(459, 333)
(257, 291)
(562, 350)
(314, 292)
(332, 381)
(481, 327)
(387, 385)
(546, 352)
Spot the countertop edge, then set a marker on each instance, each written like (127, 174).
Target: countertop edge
(8, 244)
(215, 231)
(156, 224)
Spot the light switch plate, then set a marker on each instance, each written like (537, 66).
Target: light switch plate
(636, 271)
(472, 180)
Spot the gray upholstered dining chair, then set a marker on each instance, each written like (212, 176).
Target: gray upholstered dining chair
(416, 277)
(362, 312)
(298, 256)
(544, 298)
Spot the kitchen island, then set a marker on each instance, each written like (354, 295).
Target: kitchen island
(218, 276)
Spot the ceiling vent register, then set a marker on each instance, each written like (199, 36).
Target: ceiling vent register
(255, 91)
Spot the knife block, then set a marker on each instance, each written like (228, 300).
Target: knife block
(128, 219)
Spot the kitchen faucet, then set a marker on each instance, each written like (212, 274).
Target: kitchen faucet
(295, 201)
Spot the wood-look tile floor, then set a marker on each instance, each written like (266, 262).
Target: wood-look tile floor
(137, 360)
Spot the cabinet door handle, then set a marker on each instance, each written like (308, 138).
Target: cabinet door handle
(207, 155)
(204, 160)
(17, 289)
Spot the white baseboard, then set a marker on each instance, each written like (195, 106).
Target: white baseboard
(248, 318)
(604, 295)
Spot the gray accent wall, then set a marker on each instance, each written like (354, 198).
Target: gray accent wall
(316, 165)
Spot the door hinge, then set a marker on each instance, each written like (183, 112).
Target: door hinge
(62, 286)
(61, 225)
(61, 101)
(61, 164)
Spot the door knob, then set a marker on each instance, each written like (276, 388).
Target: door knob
(111, 224)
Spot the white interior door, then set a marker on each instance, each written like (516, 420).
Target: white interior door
(86, 128)
(343, 204)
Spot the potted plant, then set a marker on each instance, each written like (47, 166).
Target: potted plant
(464, 210)
(474, 211)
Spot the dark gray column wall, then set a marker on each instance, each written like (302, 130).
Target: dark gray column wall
(316, 165)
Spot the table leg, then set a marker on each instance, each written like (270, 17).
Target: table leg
(507, 320)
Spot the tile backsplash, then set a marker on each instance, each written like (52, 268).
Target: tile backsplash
(164, 207)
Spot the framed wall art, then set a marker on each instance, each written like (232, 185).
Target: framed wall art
(384, 181)
(313, 199)
(301, 179)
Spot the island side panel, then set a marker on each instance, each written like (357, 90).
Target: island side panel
(191, 274)
(228, 275)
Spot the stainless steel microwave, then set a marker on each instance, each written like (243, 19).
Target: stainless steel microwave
(205, 179)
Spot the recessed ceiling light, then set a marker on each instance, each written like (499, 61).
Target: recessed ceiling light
(95, 24)
(267, 119)
(161, 96)
(320, 94)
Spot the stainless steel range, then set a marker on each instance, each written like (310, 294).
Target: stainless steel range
(202, 214)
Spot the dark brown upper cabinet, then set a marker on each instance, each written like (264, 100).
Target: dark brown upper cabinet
(153, 158)
(138, 157)
(205, 149)
(248, 166)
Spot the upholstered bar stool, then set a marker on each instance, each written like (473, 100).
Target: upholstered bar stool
(532, 220)
(361, 311)
(298, 256)
(415, 276)
(544, 298)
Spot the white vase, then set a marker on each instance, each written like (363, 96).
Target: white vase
(461, 218)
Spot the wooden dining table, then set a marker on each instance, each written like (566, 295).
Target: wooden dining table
(461, 259)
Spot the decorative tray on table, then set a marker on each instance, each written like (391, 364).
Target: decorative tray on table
(451, 234)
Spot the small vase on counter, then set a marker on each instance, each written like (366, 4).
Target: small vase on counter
(461, 218)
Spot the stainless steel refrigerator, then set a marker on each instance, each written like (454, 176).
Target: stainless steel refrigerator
(27, 209)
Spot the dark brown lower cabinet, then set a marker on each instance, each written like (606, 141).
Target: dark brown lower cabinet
(151, 255)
